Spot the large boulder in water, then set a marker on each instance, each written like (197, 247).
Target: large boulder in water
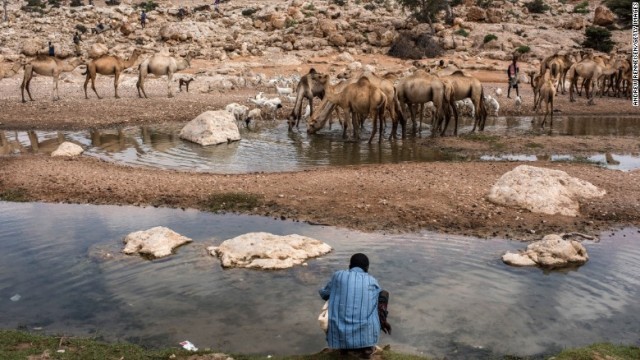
(156, 242)
(211, 128)
(550, 252)
(68, 149)
(542, 190)
(268, 251)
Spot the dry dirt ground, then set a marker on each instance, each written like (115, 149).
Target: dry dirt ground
(446, 197)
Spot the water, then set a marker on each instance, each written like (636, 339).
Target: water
(270, 147)
(450, 295)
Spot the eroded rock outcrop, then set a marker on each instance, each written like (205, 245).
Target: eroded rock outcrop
(211, 128)
(550, 252)
(603, 16)
(156, 242)
(542, 190)
(262, 250)
(68, 149)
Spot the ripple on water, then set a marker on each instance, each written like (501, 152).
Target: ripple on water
(450, 295)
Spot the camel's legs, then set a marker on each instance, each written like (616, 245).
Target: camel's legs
(115, 83)
(93, 84)
(140, 83)
(54, 90)
(28, 74)
(169, 79)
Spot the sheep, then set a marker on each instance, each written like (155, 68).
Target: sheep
(255, 114)
(238, 111)
(518, 102)
(465, 108)
(272, 105)
(259, 99)
(283, 91)
(492, 105)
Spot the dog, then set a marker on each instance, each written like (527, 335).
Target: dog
(186, 83)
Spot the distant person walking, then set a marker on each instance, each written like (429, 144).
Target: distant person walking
(76, 42)
(52, 51)
(512, 73)
(216, 4)
(143, 19)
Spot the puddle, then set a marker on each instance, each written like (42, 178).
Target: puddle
(451, 296)
(611, 161)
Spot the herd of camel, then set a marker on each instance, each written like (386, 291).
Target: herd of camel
(363, 94)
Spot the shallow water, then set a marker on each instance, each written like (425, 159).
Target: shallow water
(450, 295)
(270, 147)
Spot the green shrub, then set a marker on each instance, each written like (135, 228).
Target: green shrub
(523, 49)
(489, 37)
(406, 47)
(485, 4)
(462, 32)
(455, 3)
(425, 11)
(248, 12)
(340, 2)
(537, 6)
(290, 23)
(582, 8)
(622, 8)
(370, 6)
(147, 6)
(598, 38)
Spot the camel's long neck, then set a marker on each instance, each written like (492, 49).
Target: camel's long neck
(330, 94)
(182, 64)
(130, 61)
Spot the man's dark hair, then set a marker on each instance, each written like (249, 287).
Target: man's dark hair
(359, 260)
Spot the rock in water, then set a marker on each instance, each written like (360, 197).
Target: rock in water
(550, 252)
(156, 242)
(68, 149)
(542, 190)
(268, 251)
(211, 128)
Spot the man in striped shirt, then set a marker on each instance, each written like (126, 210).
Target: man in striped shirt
(357, 308)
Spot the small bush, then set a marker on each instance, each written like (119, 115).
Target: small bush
(598, 38)
(15, 195)
(622, 8)
(404, 47)
(485, 4)
(489, 37)
(83, 29)
(582, 8)
(290, 23)
(370, 6)
(310, 7)
(523, 49)
(520, 32)
(249, 12)
(455, 3)
(537, 6)
(76, 3)
(340, 2)
(462, 32)
(54, 3)
(147, 6)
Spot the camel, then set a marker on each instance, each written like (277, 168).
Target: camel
(307, 88)
(47, 66)
(590, 71)
(359, 99)
(559, 64)
(160, 65)
(421, 88)
(547, 94)
(465, 86)
(108, 65)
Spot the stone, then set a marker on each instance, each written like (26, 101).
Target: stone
(263, 250)
(574, 23)
(345, 57)
(211, 128)
(156, 242)
(494, 16)
(126, 29)
(476, 14)
(603, 16)
(542, 190)
(336, 39)
(550, 252)
(31, 47)
(68, 149)
(97, 50)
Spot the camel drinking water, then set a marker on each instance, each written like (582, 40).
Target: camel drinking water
(108, 65)
(308, 87)
(160, 65)
(47, 66)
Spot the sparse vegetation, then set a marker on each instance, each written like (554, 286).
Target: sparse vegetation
(537, 6)
(34, 6)
(520, 32)
(622, 8)
(310, 7)
(485, 4)
(76, 3)
(15, 195)
(232, 202)
(598, 38)
(582, 8)
(523, 49)
(462, 32)
(249, 12)
(404, 47)
(340, 2)
(425, 11)
(147, 6)
(489, 37)
(370, 6)
(290, 23)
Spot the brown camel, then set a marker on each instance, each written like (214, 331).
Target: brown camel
(307, 88)
(559, 64)
(108, 65)
(359, 99)
(465, 86)
(160, 65)
(47, 66)
(547, 94)
(588, 70)
(421, 88)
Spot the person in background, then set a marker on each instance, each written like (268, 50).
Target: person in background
(357, 309)
(52, 51)
(216, 4)
(143, 19)
(512, 73)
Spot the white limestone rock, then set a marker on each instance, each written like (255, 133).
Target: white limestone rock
(68, 149)
(211, 128)
(156, 242)
(97, 50)
(542, 190)
(263, 250)
(550, 252)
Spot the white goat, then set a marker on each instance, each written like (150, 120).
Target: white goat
(492, 105)
(255, 114)
(283, 91)
(272, 105)
(238, 111)
(465, 108)
(518, 102)
(498, 92)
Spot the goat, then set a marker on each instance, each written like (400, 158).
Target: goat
(186, 83)
(238, 111)
(492, 105)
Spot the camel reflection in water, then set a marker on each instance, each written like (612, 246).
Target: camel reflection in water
(47, 146)
(113, 143)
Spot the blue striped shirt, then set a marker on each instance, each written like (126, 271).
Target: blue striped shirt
(353, 309)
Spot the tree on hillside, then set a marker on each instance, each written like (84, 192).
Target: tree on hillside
(622, 8)
(426, 10)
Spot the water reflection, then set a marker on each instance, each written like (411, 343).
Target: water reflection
(451, 296)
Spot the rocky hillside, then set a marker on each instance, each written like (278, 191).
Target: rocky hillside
(287, 28)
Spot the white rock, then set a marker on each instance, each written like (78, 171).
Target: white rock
(542, 190)
(268, 251)
(156, 242)
(210, 128)
(552, 251)
(68, 149)
(97, 50)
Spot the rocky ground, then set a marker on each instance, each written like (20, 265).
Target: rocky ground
(236, 54)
